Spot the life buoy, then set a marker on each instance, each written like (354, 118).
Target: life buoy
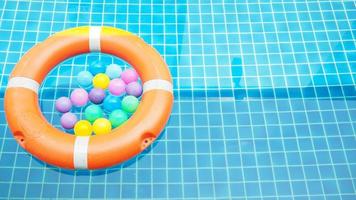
(49, 144)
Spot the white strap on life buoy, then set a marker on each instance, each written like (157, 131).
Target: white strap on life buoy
(23, 82)
(81, 152)
(157, 84)
(94, 38)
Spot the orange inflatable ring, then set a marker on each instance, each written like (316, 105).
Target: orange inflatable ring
(37, 136)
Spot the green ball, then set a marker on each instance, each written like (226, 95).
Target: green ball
(129, 104)
(118, 117)
(93, 112)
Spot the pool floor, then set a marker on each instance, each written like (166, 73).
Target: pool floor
(265, 99)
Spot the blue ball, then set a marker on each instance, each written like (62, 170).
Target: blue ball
(113, 71)
(112, 103)
(84, 79)
(97, 67)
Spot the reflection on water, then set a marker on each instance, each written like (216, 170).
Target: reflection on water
(268, 46)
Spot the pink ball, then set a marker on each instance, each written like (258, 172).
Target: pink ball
(68, 120)
(63, 104)
(79, 97)
(129, 75)
(97, 95)
(134, 89)
(117, 87)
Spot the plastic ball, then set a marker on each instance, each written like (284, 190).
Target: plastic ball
(96, 67)
(79, 97)
(83, 128)
(101, 81)
(129, 104)
(111, 103)
(97, 95)
(118, 117)
(63, 104)
(113, 71)
(93, 112)
(129, 75)
(134, 89)
(68, 120)
(117, 87)
(101, 126)
(84, 79)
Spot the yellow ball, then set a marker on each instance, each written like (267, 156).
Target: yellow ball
(83, 128)
(101, 126)
(101, 81)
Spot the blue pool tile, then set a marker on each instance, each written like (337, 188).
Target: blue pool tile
(64, 190)
(81, 191)
(18, 190)
(5, 190)
(283, 188)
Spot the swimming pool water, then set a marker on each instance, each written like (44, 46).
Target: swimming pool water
(264, 99)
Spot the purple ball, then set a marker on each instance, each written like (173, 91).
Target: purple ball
(96, 95)
(134, 89)
(79, 97)
(68, 120)
(117, 87)
(63, 104)
(129, 75)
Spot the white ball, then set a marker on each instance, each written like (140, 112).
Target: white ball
(113, 71)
